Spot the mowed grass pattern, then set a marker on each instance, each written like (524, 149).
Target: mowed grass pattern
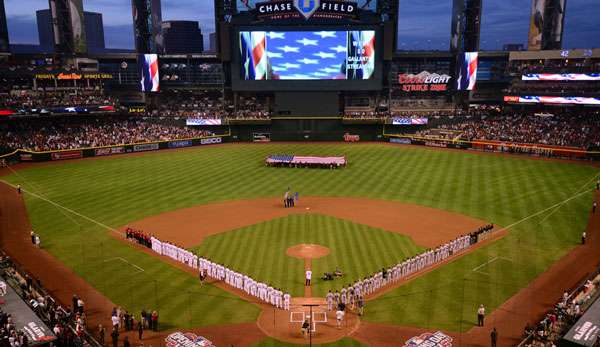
(500, 189)
(260, 251)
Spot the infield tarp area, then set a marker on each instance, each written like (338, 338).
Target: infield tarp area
(25, 319)
(587, 329)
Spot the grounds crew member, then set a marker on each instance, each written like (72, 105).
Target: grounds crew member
(480, 315)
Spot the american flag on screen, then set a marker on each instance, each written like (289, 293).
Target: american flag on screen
(307, 55)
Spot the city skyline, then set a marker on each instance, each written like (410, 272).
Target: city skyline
(118, 22)
(423, 24)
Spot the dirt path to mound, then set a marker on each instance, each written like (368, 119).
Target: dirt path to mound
(62, 282)
(428, 227)
(308, 252)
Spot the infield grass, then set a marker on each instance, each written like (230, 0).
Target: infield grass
(503, 190)
(259, 250)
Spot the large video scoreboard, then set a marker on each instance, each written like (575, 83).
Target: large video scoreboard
(311, 58)
(287, 45)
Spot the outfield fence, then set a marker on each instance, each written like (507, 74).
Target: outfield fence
(539, 150)
(22, 155)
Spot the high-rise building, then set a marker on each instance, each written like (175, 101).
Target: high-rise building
(212, 42)
(466, 23)
(94, 31)
(182, 36)
(68, 26)
(45, 31)
(4, 43)
(147, 31)
(546, 24)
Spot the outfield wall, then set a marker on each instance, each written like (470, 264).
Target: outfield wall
(498, 146)
(31, 156)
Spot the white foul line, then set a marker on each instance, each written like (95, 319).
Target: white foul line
(558, 208)
(486, 263)
(77, 214)
(544, 210)
(125, 261)
(65, 208)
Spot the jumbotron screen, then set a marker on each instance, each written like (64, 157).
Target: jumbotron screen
(307, 55)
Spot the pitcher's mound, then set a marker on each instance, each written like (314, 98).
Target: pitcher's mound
(307, 251)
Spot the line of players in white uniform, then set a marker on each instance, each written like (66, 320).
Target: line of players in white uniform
(262, 291)
(369, 285)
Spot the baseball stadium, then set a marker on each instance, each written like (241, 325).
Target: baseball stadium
(299, 172)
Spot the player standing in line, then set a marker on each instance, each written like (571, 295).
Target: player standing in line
(361, 305)
(286, 301)
(308, 277)
(329, 299)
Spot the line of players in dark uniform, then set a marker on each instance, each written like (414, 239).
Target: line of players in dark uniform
(139, 236)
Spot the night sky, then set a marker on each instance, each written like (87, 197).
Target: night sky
(424, 24)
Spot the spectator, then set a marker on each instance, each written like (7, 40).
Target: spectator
(101, 333)
(115, 336)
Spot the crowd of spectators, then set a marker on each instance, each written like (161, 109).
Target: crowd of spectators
(57, 134)
(207, 105)
(572, 130)
(563, 316)
(210, 105)
(24, 101)
(250, 107)
(9, 335)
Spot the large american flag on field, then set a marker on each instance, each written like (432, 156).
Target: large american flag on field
(297, 159)
(307, 55)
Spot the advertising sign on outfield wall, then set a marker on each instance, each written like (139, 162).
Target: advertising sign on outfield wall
(402, 140)
(211, 141)
(109, 151)
(66, 155)
(180, 144)
(145, 147)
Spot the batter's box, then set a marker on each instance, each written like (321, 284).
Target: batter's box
(317, 317)
(294, 315)
(322, 315)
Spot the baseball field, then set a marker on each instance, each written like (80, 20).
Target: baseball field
(390, 202)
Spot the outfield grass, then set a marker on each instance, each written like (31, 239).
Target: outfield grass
(122, 189)
(259, 251)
